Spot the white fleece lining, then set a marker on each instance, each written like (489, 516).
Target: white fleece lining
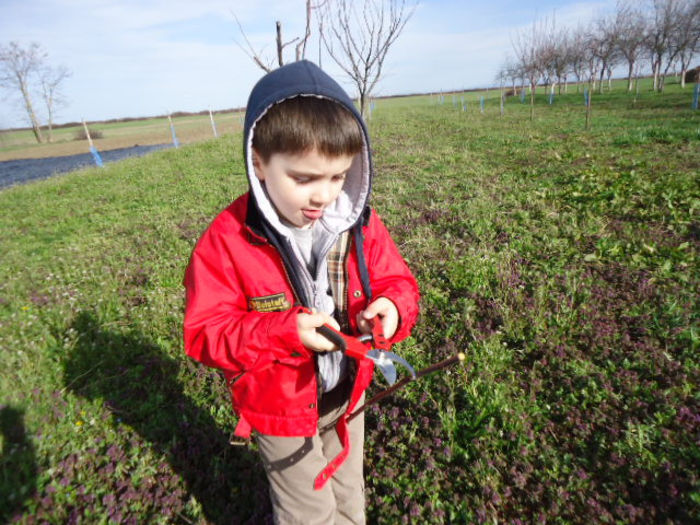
(342, 213)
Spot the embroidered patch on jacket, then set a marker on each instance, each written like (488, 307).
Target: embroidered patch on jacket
(269, 303)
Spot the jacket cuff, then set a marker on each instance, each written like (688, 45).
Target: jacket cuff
(284, 336)
(405, 304)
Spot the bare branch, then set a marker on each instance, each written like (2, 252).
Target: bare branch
(51, 80)
(301, 46)
(359, 37)
(255, 56)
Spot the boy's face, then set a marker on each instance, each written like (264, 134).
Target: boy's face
(300, 186)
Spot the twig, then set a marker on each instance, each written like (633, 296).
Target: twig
(459, 358)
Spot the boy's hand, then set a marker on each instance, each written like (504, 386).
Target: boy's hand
(387, 312)
(310, 338)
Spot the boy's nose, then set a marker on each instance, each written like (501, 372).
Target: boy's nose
(322, 195)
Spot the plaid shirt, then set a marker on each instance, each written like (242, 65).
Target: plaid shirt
(338, 279)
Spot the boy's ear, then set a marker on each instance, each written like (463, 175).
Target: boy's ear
(258, 165)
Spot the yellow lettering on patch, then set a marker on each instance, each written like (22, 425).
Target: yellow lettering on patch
(269, 303)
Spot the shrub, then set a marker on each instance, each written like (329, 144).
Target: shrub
(692, 75)
(81, 135)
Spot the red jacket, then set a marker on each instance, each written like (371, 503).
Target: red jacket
(240, 317)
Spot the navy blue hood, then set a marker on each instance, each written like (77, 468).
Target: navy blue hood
(304, 78)
(298, 78)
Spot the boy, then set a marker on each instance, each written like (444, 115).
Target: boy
(301, 249)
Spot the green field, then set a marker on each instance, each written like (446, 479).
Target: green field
(563, 262)
(70, 140)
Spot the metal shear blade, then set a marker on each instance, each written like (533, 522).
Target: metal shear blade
(385, 362)
(355, 347)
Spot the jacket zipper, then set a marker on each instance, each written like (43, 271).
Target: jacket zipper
(298, 301)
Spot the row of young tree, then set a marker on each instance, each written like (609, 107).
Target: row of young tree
(26, 71)
(661, 34)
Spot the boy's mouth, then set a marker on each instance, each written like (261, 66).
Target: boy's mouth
(312, 214)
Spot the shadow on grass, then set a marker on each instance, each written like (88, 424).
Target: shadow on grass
(18, 468)
(138, 384)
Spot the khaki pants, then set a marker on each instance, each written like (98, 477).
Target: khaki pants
(292, 464)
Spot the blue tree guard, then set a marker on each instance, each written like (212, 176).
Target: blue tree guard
(481, 102)
(551, 98)
(372, 105)
(522, 96)
(96, 156)
(213, 125)
(586, 97)
(696, 95)
(172, 131)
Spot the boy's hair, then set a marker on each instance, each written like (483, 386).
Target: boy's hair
(297, 125)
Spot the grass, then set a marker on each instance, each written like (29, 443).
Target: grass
(563, 262)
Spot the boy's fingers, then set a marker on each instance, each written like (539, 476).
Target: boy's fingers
(317, 320)
(330, 321)
(312, 320)
(322, 344)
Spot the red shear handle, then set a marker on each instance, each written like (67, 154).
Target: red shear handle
(333, 336)
(378, 340)
(345, 343)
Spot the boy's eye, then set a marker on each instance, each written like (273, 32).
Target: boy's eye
(337, 178)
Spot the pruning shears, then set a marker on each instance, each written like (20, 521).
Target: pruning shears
(378, 350)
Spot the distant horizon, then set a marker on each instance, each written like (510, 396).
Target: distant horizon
(179, 113)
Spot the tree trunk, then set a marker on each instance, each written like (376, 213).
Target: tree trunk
(363, 104)
(532, 101)
(36, 127)
(50, 125)
(588, 106)
(656, 66)
(280, 60)
(630, 73)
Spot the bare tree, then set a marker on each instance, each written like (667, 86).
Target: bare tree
(265, 63)
(18, 66)
(511, 71)
(51, 79)
(358, 35)
(530, 52)
(663, 23)
(577, 54)
(632, 31)
(591, 64)
(548, 58)
(560, 60)
(685, 40)
(603, 43)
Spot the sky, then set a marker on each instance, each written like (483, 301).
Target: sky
(137, 58)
